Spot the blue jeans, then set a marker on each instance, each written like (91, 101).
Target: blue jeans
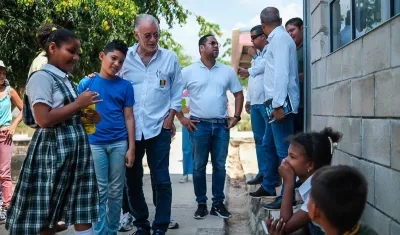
(187, 161)
(276, 146)
(209, 138)
(109, 164)
(157, 150)
(258, 123)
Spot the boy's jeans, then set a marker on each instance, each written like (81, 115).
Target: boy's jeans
(109, 164)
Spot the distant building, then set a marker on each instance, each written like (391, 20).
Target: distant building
(241, 42)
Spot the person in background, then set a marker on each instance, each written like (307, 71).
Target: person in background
(281, 86)
(308, 152)
(8, 98)
(187, 161)
(255, 97)
(339, 214)
(295, 29)
(207, 82)
(57, 177)
(113, 140)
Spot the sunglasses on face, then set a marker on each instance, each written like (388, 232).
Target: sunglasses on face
(254, 37)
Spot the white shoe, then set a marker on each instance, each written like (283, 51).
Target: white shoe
(184, 179)
(126, 222)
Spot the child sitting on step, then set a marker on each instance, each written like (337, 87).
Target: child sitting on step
(307, 153)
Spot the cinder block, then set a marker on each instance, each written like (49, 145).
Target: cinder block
(395, 144)
(352, 67)
(362, 96)
(322, 72)
(334, 122)
(334, 67)
(319, 19)
(341, 158)
(319, 46)
(351, 130)
(387, 188)
(326, 101)
(318, 123)
(376, 56)
(376, 140)
(342, 99)
(394, 228)
(368, 170)
(387, 95)
(376, 220)
(395, 42)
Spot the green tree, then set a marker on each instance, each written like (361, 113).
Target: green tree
(94, 21)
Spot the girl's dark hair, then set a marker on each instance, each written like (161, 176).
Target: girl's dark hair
(295, 21)
(49, 33)
(318, 146)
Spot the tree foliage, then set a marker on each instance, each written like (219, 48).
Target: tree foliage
(95, 22)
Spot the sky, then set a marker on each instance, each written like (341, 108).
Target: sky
(228, 14)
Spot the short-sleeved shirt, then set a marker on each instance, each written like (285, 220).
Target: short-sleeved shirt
(207, 89)
(116, 94)
(41, 88)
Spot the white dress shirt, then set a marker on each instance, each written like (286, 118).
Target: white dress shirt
(281, 74)
(158, 88)
(207, 89)
(255, 91)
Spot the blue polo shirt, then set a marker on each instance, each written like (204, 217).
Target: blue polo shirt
(116, 95)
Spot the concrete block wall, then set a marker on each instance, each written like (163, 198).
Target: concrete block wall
(356, 90)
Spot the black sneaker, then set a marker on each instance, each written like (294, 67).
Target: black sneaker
(141, 231)
(158, 232)
(256, 180)
(201, 211)
(221, 211)
(277, 203)
(262, 193)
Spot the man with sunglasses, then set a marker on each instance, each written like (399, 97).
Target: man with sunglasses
(207, 82)
(255, 96)
(157, 81)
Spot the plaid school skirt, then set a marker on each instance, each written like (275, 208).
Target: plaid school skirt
(57, 182)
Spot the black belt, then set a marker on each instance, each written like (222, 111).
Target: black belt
(210, 120)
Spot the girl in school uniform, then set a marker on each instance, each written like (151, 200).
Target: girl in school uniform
(307, 153)
(57, 179)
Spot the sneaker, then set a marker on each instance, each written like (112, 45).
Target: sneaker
(221, 211)
(173, 224)
(3, 215)
(184, 179)
(201, 211)
(262, 193)
(142, 231)
(277, 203)
(256, 180)
(126, 222)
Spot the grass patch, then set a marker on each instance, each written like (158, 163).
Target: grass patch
(24, 129)
(245, 123)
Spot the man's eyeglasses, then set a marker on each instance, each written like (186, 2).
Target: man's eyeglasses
(148, 36)
(254, 37)
(213, 44)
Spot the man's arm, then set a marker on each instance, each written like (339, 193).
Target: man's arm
(258, 67)
(281, 76)
(177, 86)
(239, 99)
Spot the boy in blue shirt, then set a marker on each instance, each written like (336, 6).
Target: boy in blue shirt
(113, 141)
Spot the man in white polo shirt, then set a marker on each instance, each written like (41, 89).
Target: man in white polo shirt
(207, 82)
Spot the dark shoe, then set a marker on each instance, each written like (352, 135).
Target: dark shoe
(256, 180)
(262, 193)
(221, 211)
(276, 204)
(158, 232)
(201, 211)
(141, 231)
(173, 224)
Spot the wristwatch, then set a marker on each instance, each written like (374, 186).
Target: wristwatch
(237, 117)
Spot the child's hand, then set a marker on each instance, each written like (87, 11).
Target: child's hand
(87, 98)
(130, 158)
(275, 226)
(92, 116)
(286, 171)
